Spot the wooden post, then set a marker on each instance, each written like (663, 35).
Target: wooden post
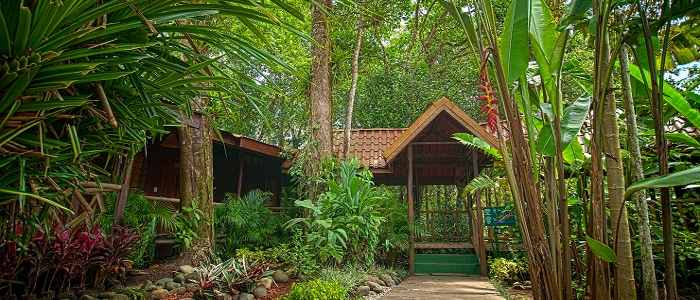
(409, 189)
(123, 192)
(239, 185)
(479, 244)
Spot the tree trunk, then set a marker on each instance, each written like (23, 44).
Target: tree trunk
(320, 90)
(353, 87)
(197, 180)
(624, 270)
(647, 258)
(662, 153)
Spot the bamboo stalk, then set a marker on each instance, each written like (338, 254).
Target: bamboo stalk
(105, 105)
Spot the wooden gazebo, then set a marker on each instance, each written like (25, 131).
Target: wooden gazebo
(425, 154)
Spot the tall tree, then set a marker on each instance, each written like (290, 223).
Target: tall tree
(320, 94)
(197, 169)
(647, 256)
(598, 283)
(353, 85)
(624, 270)
(661, 152)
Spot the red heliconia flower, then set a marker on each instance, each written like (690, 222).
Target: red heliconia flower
(490, 103)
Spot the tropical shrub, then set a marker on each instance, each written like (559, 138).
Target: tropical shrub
(149, 218)
(344, 222)
(64, 257)
(295, 256)
(394, 232)
(507, 271)
(348, 276)
(247, 223)
(318, 289)
(234, 274)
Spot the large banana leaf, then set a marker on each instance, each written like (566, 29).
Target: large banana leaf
(571, 122)
(680, 178)
(671, 96)
(514, 40)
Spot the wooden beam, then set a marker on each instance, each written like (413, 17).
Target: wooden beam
(444, 246)
(239, 185)
(437, 143)
(163, 199)
(479, 231)
(123, 192)
(409, 190)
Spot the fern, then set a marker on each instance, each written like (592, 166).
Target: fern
(477, 143)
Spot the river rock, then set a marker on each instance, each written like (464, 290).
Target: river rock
(374, 286)
(194, 276)
(246, 296)
(159, 294)
(163, 281)
(187, 269)
(172, 285)
(223, 296)
(119, 297)
(260, 292)
(388, 281)
(179, 278)
(280, 276)
(363, 290)
(265, 282)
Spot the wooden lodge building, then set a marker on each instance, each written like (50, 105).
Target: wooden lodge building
(425, 154)
(422, 157)
(241, 164)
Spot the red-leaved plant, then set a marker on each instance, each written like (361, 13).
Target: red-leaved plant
(63, 259)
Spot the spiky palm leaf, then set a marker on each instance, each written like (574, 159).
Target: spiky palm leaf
(480, 183)
(477, 143)
(83, 82)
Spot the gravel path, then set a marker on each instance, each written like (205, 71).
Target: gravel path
(442, 288)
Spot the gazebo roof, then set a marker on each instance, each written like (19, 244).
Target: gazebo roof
(377, 147)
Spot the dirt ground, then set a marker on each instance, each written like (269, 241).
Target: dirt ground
(443, 287)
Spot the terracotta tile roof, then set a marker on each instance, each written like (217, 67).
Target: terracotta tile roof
(367, 144)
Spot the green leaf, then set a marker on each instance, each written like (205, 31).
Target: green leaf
(601, 250)
(475, 142)
(571, 122)
(683, 138)
(578, 11)
(679, 178)
(514, 40)
(671, 96)
(5, 37)
(37, 197)
(542, 28)
(465, 22)
(23, 30)
(573, 154)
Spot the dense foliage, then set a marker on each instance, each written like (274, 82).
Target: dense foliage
(344, 221)
(247, 222)
(318, 289)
